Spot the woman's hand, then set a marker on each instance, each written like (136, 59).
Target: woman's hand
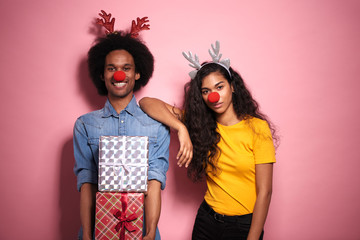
(185, 153)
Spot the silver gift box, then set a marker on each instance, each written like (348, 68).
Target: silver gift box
(123, 163)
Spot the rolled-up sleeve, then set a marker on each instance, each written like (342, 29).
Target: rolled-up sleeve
(159, 157)
(85, 166)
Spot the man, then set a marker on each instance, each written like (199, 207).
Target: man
(119, 52)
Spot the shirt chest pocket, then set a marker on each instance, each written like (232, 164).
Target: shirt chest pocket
(144, 128)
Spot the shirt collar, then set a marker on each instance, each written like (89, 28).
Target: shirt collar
(110, 111)
(131, 107)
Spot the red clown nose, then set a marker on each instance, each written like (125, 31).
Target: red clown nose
(213, 97)
(119, 76)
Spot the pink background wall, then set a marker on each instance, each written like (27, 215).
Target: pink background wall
(300, 58)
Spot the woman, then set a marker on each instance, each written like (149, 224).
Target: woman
(232, 146)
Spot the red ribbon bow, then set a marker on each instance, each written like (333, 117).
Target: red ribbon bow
(124, 221)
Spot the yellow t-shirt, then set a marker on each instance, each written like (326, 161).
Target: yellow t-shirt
(232, 190)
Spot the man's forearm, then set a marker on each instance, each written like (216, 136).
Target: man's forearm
(87, 209)
(152, 208)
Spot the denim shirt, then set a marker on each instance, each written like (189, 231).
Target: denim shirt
(131, 121)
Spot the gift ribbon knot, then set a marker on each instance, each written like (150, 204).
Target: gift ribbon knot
(124, 221)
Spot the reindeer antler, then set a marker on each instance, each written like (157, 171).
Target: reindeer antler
(215, 54)
(194, 63)
(139, 26)
(105, 22)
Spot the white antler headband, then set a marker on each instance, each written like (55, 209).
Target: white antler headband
(215, 55)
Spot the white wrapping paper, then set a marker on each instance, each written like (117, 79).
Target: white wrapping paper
(123, 163)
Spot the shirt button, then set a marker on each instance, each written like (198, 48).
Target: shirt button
(122, 121)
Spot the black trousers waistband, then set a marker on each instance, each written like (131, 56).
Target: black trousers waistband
(245, 219)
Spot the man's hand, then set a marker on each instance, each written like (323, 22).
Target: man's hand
(148, 238)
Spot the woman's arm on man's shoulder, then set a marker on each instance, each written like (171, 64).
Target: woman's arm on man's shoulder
(162, 112)
(171, 117)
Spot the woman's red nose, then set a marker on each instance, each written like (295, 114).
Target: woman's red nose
(213, 97)
(119, 76)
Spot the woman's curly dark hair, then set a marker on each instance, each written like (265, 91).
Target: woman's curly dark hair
(143, 59)
(201, 122)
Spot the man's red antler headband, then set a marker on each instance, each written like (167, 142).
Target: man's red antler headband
(136, 28)
(105, 22)
(108, 24)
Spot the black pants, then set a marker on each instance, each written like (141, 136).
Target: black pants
(211, 225)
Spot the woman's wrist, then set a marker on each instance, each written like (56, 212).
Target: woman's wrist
(180, 126)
